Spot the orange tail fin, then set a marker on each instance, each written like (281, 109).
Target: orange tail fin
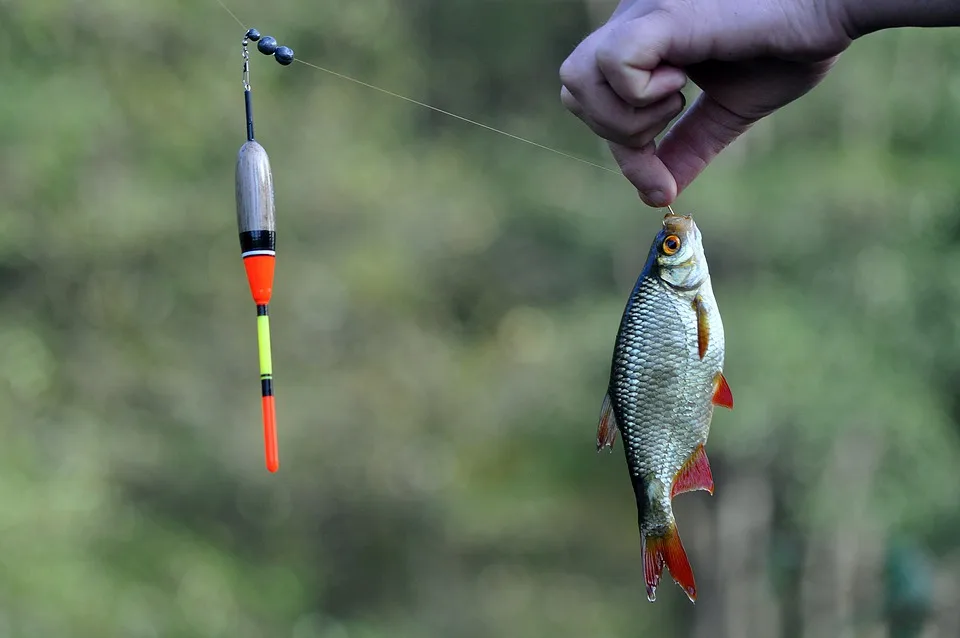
(667, 550)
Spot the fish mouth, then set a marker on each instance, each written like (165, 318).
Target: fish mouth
(678, 224)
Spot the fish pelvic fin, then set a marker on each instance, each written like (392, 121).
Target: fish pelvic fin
(694, 475)
(607, 427)
(722, 395)
(703, 326)
(667, 550)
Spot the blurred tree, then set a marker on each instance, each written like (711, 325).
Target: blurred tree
(445, 307)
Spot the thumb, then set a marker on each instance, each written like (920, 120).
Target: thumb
(695, 139)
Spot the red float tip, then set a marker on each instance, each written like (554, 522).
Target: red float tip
(260, 277)
(270, 447)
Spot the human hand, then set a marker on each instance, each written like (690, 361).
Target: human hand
(750, 57)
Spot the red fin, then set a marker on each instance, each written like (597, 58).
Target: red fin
(694, 475)
(703, 326)
(667, 550)
(722, 394)
(607, 428)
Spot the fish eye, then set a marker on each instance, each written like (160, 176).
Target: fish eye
(671, 245)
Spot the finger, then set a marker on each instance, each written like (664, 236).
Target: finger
(569, 102)
(655, 119)
(647, 172)
(630, 58)
(603, 111)
(640, 87)
(629, 127)
(660, 114)
(699, 136)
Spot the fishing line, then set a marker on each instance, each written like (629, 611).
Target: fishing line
(434, 108)
(232, 14)
(256, 215)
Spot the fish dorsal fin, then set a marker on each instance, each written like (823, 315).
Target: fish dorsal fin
(607, 427)
(722, 395)
(703, 325)
(694, 475)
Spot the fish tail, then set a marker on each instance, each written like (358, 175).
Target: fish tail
(667, 550)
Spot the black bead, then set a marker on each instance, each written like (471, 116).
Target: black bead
(267, 45)
(253, 34)
(284, 55)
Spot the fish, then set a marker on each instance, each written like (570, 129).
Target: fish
(666, 377)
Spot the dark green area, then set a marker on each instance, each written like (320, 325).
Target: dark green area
(444, 311)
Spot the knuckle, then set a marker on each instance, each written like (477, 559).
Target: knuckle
(570, 74)
(609, 56)
(666, 10)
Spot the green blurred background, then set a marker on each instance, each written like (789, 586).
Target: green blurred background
(444, 311)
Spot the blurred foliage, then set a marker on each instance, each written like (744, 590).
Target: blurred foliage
(445, 307)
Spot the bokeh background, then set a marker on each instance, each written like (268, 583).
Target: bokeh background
(445, 307)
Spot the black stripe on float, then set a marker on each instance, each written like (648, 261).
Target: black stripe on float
(266, 387)
(258, 240)
(261, 310)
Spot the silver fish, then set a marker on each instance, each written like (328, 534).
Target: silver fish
(665, 379)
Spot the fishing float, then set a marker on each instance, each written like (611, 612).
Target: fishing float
(256, 225)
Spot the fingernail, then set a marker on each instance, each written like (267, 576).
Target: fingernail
(654, 198)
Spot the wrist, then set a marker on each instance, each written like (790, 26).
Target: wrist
(863, 17)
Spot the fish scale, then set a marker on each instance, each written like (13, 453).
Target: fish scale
(666, 376)
(660, 383)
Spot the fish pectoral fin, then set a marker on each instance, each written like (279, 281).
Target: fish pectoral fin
(694, 475)
(703, 325)
(607, 427)
(667, 550)
(722, 395)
